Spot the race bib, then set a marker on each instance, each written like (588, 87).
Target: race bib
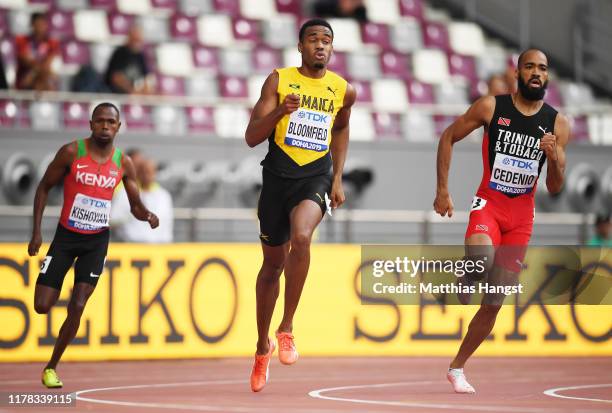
(513, 175)
(309, 129)
(89, 213)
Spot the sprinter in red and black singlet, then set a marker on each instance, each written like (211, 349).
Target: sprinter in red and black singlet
(521, 134)
(90, 169)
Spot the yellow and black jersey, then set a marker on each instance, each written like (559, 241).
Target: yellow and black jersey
(299, 145)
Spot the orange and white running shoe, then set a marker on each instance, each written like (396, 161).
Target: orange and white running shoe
(261, 369)
(287, 353)
(459, 382)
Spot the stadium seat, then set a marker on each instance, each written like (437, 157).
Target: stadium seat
(229, 7)
(363, 89)
(206, 59)
(246, 30)
(394, 64)
(576, 94)
(421, 93)
(579, 129)
(215, 30)
(233, 87)
(363, 65)
(289, 6)
(412, 8)
(202, 85)
(451, 93)
(61, 24)
(387, 125)
(195, 7)
(337, 64)
(435, 35)
(154, 29)
(170, 6)
(418, 126)
(140, 7)
(291, 57)
(361, 124)
(200, 120)
(19, 22)
(169, 120)
(254, 85)
(137, 117)
(100, 54)
(553, 95)
(383, 11)
(72, 4)
(91, 26)
(442, 122)
(7, 48)
(406, 35)
(183, 27)
(170, 85)
(430, 66)
(103, 4)
(235, 61)
(260, 9)
(265, 59)
(466, 38)
(389, 95)
(9, 113)
(280, 32)
(45, 116)
(74, 55)
(119, 24)
(492, 61)
(462, 66)
(231, 121)
(376, 34)
(347, 35)
(175, 59)
(14, 4)
(76, 115)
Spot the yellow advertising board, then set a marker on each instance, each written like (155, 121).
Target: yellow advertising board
(198, 300)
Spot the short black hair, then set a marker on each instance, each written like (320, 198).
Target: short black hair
(36, 16)
(105, 105)
(602, 218)
(524, 52)
(315, 22)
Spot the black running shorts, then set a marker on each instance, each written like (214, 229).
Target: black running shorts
(279, 196)
(89, 250)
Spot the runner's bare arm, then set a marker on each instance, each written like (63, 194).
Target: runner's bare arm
(55, 172)
(479, 114)
(267, 112)
(554, 147)
(339, 145)
(131, 189)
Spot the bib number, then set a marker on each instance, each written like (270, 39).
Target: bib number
(89, 213)
(308, 129)
(478, 203)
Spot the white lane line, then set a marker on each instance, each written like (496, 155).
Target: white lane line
(318, 394)
(555, 392)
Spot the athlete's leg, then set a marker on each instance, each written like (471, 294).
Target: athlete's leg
(80, 294)
(267, 290)
(45, 297)
(56, 264)
(304, 219)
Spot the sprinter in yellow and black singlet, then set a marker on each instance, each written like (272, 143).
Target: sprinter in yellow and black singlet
(304, 113)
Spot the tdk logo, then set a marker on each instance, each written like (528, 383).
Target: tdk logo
(96, 203)
(316, 117)
(518, 163)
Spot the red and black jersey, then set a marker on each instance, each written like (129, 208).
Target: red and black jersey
(88, 191)
(511, 155)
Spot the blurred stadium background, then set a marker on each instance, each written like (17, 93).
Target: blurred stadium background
(417, 64)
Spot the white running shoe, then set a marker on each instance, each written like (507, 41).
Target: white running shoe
(459, 382)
